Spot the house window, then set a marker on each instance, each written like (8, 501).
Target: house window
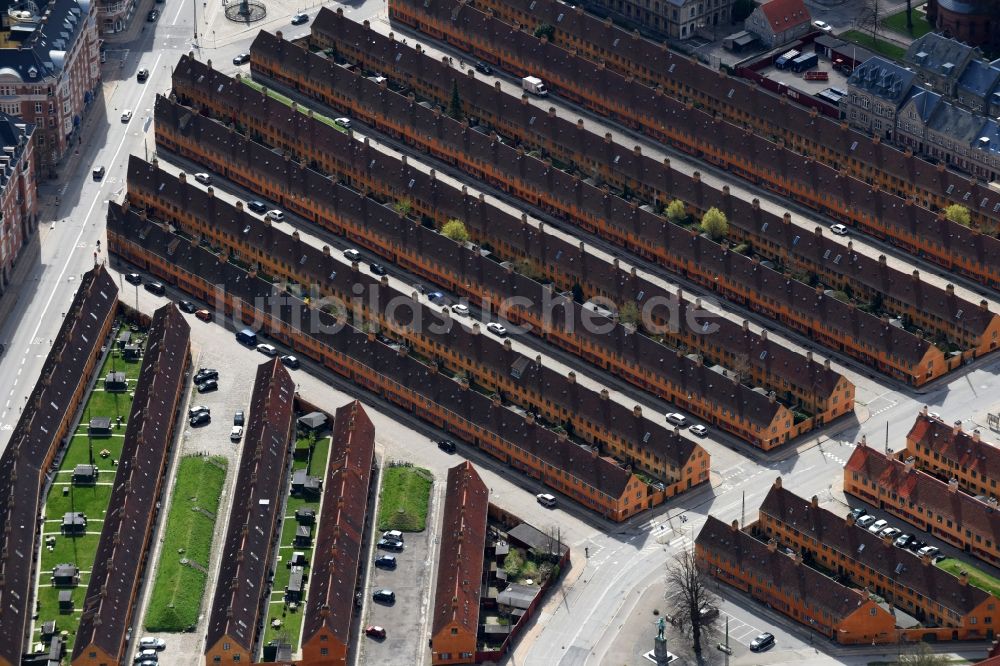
(324, 651)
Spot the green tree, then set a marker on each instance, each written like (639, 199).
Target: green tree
(513, 562)
(403, 206)
(455, 105)
(455, 230)
(714, 223)
(676, 211)
(958, 213)
(546, 30)
(628, 313)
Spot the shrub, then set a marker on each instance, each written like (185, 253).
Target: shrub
(714, 223)
(958, 213)
(455, 230)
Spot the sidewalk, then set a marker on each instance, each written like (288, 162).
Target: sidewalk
(138, 22)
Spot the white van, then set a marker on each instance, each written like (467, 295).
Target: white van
(546, 499)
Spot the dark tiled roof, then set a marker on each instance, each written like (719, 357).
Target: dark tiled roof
(860, 545)
(463, 544)
(958, 447)
(38, 47)
(334, 277)
(559, 459)
(24, 463)
(654, 60)
(241, 593)
(404, 64)
(334, 572)
(818, 593)
(14, 136)
(820, 311)
(128, 524)
(883, 78)
(916, 488)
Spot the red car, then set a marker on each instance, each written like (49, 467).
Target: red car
(375, 631)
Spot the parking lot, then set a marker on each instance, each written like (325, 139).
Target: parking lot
(405, 621)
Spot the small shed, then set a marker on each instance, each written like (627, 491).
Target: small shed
(74, 523)
(100, 426)
(65, 575)
(56, 647)
(298, 559)
(517, 596)
(124, 338)
(116, 382)
(293, 591)
(305, 516)
(65, 601)
(132, 352)
(303, 536)
(85, 475)
(304, 484)
(314, 422)
(49, 629)
(738, 41)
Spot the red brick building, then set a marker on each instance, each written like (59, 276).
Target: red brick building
(975, 22)
(18, 192)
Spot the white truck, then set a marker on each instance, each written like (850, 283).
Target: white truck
(534, 85)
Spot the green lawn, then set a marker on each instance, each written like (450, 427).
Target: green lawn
(880, 46)
(405, 494)
(287, 101)
(179, 589)
(980, 579)
(291, 618)
(897, 23)
(91, 500)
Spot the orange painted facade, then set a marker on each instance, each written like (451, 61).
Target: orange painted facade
(949, 452)
(613, 103)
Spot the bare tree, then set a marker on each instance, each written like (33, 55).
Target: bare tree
(687, 594)
(869, 17)
(922, 655)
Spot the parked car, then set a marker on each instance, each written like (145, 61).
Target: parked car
(152, 15)
(496, 329)
(236, 434)
(762, 642)
(239, 418)
(447, 446)
(385, 596)
(144, 655)
(99, 173)
(351, 254)
(208, 385)
(200, 419)
(699, 430)
(377, 269)
(204, 374)
(903, 540)
(290, 361)
(266, 349)
(203, 178)
(839, 229)
(300, 18)
(890, 533)
(186, 306)
(126, 115)
(149, 643)
(823, 25)
(865, 521)
(483, 68)
(393, 534)
(133, 278)
(708, 613)
(676, 419)
(375, 631)
(389, 544)
(460, 310)
(435, 296)
(155, 288)
(343, 122)
(878, 526)
(204, 315)
(857, 513)
(385, 561)
(546, 499)
(275, 215)
(142, 75)
(915, 545)
(928, 551)
(241, 59)
(199, 409)
(258, 207)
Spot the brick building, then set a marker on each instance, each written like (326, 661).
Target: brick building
(949, 452)
(50, 71)
(975, 22)
(18, 192)
(778, 22)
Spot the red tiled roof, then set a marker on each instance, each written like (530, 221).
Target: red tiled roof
(334, 573)
(785, 14)
(463, 543)
(921, 489)
(959, 447)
